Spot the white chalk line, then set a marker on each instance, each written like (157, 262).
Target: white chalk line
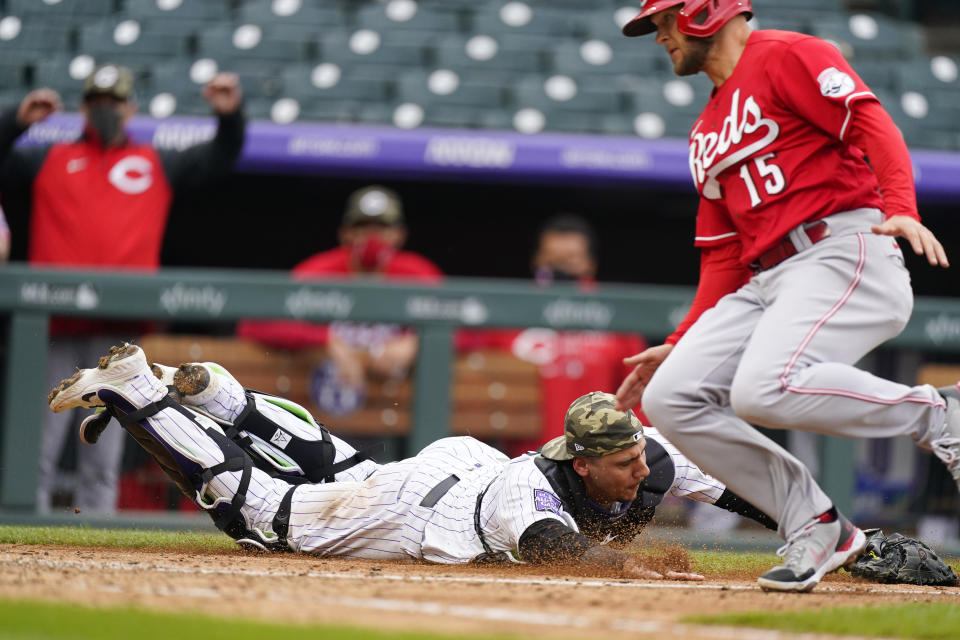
(501, 614)
(86, 565)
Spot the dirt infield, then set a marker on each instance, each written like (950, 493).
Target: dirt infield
(521, 600)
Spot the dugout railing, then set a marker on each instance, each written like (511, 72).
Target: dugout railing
(29, 296)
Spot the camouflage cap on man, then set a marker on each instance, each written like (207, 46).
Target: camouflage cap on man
(111, 80)
(593, 428)
(374, 204)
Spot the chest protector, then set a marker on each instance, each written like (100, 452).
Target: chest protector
(619, 531)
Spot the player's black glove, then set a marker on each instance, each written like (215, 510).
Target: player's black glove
(897, 558)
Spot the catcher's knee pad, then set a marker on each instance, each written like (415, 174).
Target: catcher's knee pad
(192, 450)
(286, 442)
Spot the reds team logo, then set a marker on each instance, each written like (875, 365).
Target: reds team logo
(133, 175)
(710, 152)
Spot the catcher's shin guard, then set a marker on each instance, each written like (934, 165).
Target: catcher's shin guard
(193, 451)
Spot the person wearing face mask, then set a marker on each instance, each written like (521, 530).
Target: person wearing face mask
(102, 202)
(570, 363)
(371, 235)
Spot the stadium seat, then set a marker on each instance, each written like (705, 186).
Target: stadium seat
(807, 6)
(327, 81)
(366, 46)
(65, 73)
(480, 52)
(444, 87)
(158, 103)
(318, 17)
(265, 47)
(564, 94)
(936, 73)
(32, 38)
(875, 36)
(182, 75)
(519, 17)
(924, 121)
(12, 75)
(605, 23)
(187, 16)
(405, 15)
(128, 41)
(61, 13)
(596, 57)
(878, 74)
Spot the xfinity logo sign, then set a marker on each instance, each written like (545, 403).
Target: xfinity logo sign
(181, 298)
(467, 310)
(329, 304)
(943, 329)
(565, 313)
(479, 153)
(79, 296)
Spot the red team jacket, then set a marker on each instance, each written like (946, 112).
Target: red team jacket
(96, 207)
(123, 195)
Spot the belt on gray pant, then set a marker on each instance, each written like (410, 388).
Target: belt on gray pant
(433, 496)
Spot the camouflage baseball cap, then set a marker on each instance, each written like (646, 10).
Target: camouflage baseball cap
(109, 79)
(593, 428)
(374, 204)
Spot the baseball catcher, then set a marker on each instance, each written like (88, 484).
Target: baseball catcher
(270, 476)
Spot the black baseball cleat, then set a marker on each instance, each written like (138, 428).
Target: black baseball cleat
(93, 425)
(824, 545)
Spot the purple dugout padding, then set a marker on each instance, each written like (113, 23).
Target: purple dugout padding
(462, 154)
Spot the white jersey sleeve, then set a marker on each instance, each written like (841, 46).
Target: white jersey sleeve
(689, 481)
(521, 496)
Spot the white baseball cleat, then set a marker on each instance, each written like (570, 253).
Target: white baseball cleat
(121, 375)
(815, 550)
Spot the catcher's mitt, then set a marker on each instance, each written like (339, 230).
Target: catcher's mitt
(897, 558)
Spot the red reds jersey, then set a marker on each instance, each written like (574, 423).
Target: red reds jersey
(99, 207)
(770, 149)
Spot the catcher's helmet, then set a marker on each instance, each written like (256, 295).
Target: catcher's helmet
(700, 18)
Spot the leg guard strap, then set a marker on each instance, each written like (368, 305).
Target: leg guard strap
(235, 460)
(166, 402)
(281, 521)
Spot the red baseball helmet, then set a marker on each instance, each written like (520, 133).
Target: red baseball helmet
(700, 18)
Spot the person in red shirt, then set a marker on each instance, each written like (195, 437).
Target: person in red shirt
(371, 235)
(801, 275)
(571, 363)
(101, 202)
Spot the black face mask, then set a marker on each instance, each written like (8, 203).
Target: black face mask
(546, 275)
(107, 121)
